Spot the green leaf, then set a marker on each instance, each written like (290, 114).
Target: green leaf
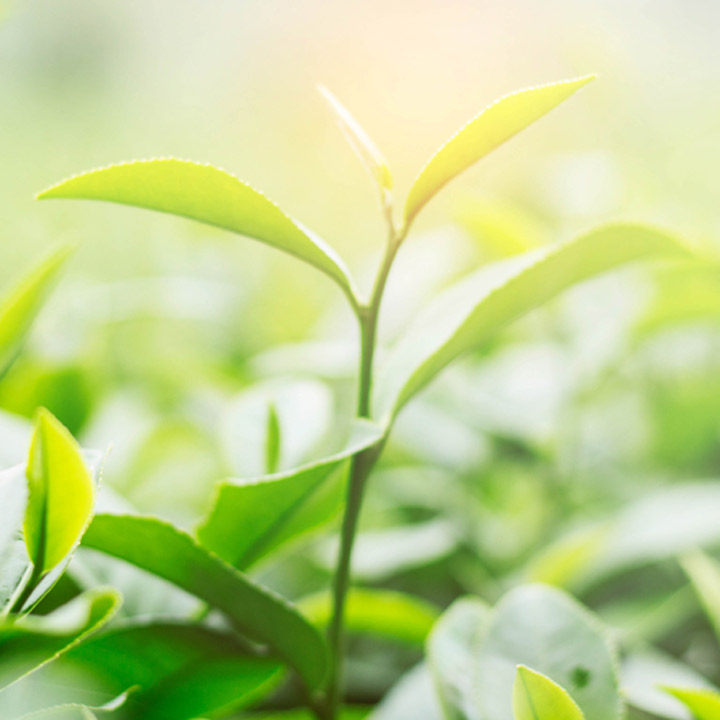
(704, 574)
(177, 671)
(536, 697)
(274, 508)
(60, 494)
(383, 613)
(543, 628)
(493, 126)
(360, 142)
(27, 643)
(209, 195)
(450, 654)
(272, 441)
(703, 704)
(22, 304)
(472, 311)
(158, 547)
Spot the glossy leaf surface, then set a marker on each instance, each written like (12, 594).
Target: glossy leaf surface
(492, 127)
(60, 494)
(160, 548)
(272, 509)
(536, 697)
(207, 194)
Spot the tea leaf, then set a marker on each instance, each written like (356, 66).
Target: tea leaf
(177, 671)
(360, 142)
(274, 508)
(209, 195)
(704, 573)
(158, 547)
(22, 304)
(472, 311)
(272, 440)
(27, 643)
(541, 627)
(383, 613)
(450, 655)
(536, 697)
(60, 494)
(492, 127)
(703, 704)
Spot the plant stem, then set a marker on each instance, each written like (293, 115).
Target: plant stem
(360, 469)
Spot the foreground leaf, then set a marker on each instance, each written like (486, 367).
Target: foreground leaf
(209, 195)
(476, 308)
(382, 613)
(536, 697)
(703, 704)
(29, 642)
(274, 508)
(704, 573)
(360, 142)
(22, 304)
(450, 653)
(60, 494)
(492, 127)
(161, 549)
(177, 671)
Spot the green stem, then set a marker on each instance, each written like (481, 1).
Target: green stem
(360, 469)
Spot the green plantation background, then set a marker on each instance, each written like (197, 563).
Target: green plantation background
(579, 447)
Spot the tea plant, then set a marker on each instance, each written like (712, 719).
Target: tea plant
(482, 661)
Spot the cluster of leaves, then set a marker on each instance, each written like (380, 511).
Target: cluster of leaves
(537, 654)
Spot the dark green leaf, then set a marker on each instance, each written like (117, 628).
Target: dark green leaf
(160, 548)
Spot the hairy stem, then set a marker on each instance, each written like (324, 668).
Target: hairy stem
(360, 469)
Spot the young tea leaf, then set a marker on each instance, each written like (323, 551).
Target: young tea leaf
(360, 142)
(22, 304)
(536, 697)
(209, 195)
(60, 494)
(472, 311)
(274, 508)
(158, 547)
(272, 440)
(492, 127)
(703, 704)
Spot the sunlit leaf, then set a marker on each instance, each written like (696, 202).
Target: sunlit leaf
(703, 704)
(704, 573)
(209, 195)
(473, 310)
(272, 441)
(492, 127)
(27, 643)
(382, 613)
(60, 495)
(536, 697)
(451, 650)
(158, 547)
(274, 508)
(360, 141)
(22, 304)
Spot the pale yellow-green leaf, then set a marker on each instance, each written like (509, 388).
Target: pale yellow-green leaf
(22, 304)
(492, 127)
(703, 704)
(360, 142)
(60, 494)
(536, 697)
(208, 195)
(704, 574)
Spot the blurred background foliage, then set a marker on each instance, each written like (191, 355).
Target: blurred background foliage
(580, 448)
